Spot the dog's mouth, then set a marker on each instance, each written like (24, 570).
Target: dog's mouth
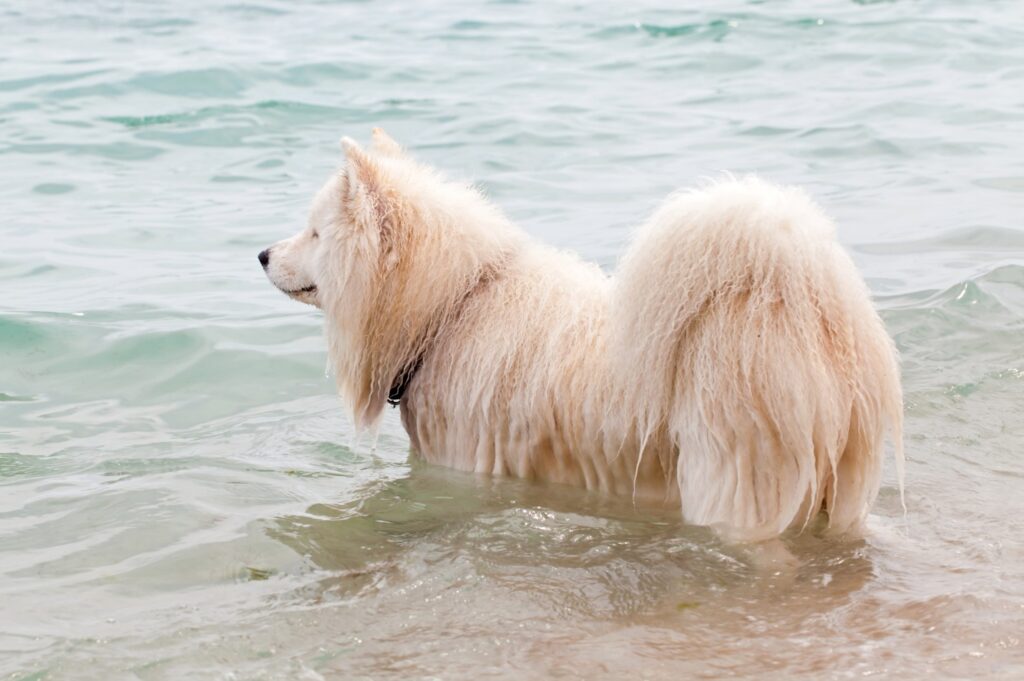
(306, 294)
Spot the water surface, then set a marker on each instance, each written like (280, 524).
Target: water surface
(180, 495)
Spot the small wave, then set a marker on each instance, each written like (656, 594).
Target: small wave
(17, 334)
(254, 113)
(715, 30)
(116, 151)
(48, 79)
(251, 9)
(5, 397)
(1002, 240)
(1008, 184)
(996, 295)
(214, 83)
(53, 188)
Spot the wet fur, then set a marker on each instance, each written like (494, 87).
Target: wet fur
(733, 365)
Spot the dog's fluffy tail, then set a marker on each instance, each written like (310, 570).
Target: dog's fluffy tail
(745, 336)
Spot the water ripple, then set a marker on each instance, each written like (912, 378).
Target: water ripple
(182, 495)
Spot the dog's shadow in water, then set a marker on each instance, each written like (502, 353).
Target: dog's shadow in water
(499, 524)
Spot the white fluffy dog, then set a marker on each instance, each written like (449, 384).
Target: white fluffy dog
(733, 366)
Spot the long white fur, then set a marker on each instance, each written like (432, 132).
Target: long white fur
(733, 365)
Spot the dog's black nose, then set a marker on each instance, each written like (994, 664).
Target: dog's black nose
(264, 257)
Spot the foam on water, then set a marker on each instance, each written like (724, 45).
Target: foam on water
(175, 498)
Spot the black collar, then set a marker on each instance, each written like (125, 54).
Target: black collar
(408, 372)
(402, 381)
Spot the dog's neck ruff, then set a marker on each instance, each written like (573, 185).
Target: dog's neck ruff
(408, 372)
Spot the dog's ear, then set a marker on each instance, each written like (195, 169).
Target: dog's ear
(384, 145)
(366, 196)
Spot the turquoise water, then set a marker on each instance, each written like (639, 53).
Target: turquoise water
(180, 494)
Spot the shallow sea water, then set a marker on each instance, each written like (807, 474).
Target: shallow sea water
(180, 494)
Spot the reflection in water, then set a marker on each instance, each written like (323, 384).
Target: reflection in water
(457, 570)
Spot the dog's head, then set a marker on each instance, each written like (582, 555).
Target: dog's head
(389, 251)
(346, 209)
